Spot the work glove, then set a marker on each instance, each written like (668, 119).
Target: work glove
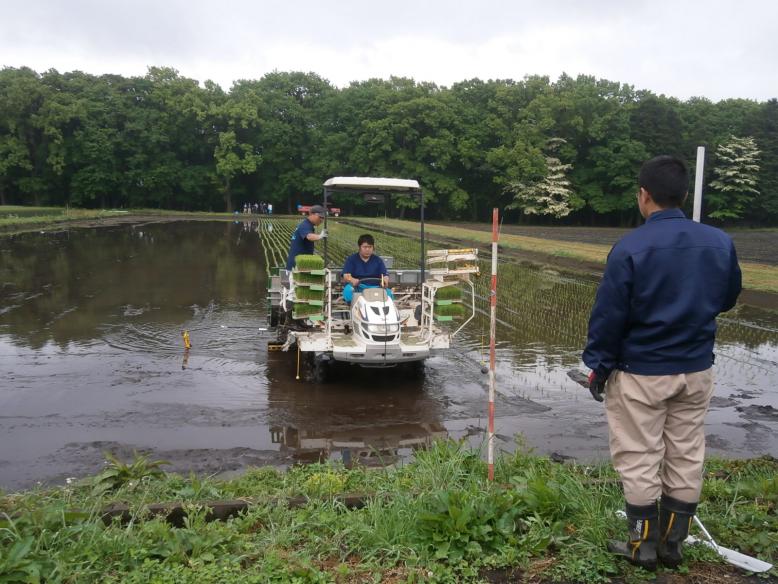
(323, 234)
(597, 385)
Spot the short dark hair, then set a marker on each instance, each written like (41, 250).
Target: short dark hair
(666, 178)
(366, 238)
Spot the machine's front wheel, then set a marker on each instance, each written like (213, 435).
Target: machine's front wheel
(321, 369)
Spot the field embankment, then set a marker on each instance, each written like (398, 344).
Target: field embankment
(17, 219)
(435, 519)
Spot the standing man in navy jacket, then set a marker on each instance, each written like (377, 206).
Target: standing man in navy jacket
(650, 349)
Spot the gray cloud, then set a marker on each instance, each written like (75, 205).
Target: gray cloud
(717, 49)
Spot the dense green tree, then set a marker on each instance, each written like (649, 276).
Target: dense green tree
(551, 194)
(163, 140)
(736, 171)
(289, 133)
(766, 136)
(22, 135)
(656, 123)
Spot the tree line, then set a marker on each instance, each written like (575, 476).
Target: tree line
(563, 151)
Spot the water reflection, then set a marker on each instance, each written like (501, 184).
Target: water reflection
(366, 416)
(374, 446)
(68, 287)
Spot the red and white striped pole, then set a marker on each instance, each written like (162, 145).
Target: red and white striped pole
(492, 333)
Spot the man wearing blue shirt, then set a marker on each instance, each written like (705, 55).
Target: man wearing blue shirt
(304, 236)
(650, 349)
(364, 269)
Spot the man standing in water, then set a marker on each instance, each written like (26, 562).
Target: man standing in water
(304, 236)
(650, 349)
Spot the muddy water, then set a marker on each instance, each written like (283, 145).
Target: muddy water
(91, 359)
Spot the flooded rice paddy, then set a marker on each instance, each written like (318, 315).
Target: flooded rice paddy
(92, 360)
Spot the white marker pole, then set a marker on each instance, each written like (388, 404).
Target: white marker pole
(698, 183)
(492, 346)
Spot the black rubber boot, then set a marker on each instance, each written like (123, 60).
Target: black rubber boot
(640, 549)
(675, 519)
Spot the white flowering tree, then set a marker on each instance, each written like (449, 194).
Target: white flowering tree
(550, 194)
(736, 171)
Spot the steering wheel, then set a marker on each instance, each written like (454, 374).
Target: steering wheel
(378, 281)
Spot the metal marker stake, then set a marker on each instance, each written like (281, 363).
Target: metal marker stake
(492, 350)
(698, 183)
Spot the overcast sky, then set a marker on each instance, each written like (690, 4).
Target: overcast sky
(714, 48)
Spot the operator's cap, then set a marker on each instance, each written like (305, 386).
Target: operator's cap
(318, 209)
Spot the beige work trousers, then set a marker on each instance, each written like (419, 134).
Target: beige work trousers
(657, 434)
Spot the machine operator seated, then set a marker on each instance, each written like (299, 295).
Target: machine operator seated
(364, 270)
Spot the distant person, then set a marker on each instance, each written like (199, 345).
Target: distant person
(650, 349)
(270, 208)
(304, 236)
(364, 269)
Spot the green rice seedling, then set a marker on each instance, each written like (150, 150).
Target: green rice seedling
(305, 293)
(449, 293)
(303, 310)
(308, 278)
(309, 262)
(454, 310)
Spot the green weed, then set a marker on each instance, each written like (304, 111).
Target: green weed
(434, 519)
(119, 474)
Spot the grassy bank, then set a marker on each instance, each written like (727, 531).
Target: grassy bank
(16, 219)
(433, 520)
(755, 276)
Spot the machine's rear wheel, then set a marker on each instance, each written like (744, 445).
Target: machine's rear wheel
(320, 369)
(415, 369)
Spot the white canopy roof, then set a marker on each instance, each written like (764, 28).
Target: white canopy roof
(367, 183)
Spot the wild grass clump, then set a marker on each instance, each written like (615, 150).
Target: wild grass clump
(309, 262)
(434, 519)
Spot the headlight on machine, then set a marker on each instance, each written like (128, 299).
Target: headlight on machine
(383, 329)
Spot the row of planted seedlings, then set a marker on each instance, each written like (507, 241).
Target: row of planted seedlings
(544, 309)
(274, 235)
(539, 306)
(747, 348)
(406, 253)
